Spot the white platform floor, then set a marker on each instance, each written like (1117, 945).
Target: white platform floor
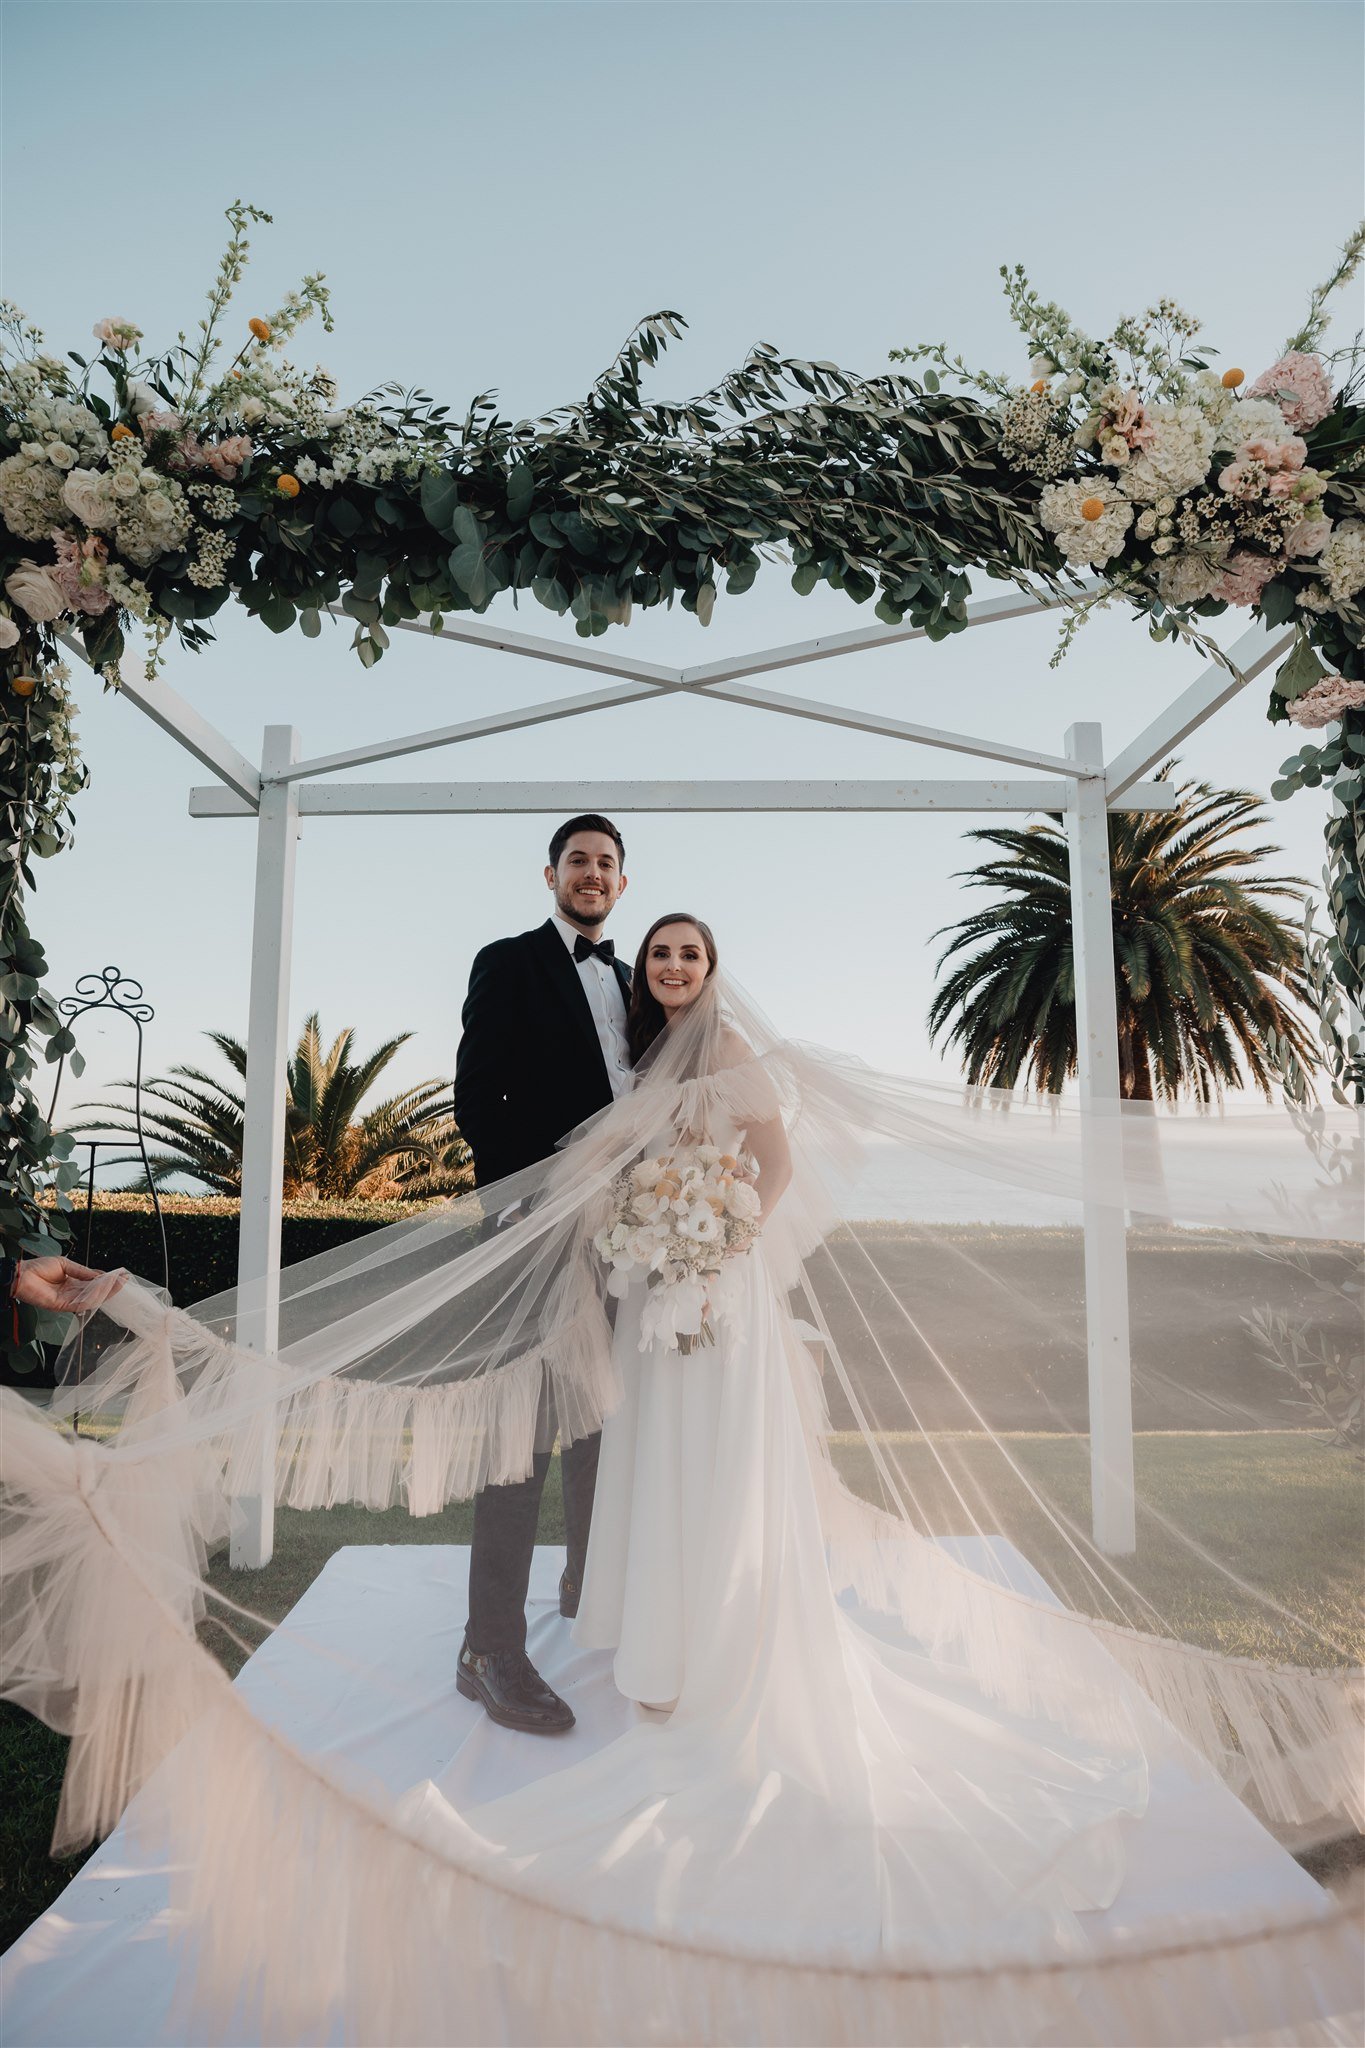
(98, 1970)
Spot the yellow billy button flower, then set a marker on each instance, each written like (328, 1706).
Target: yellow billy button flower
(260, 328)
(120, 432)
(1232, 378)
(288, 486)
(1039, 384)
(1092, 508)
(24, 686)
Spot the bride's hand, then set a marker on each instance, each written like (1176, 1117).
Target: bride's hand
(60, 1284)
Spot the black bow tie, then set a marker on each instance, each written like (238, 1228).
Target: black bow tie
(584, 949)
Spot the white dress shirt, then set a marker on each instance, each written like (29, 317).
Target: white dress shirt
(603, 991)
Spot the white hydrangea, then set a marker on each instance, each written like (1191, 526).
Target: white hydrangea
(1342, 565)
(1087, 541)
(1187, 579)
(1176, 460)
(1253, 419)
(31, 495)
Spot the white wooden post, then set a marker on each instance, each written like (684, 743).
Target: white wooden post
(1106, 1248)
(252, 1537)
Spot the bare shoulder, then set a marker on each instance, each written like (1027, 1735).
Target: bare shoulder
(732, 1048)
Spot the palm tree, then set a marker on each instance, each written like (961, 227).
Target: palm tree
(1204, 960)
(406, 1146)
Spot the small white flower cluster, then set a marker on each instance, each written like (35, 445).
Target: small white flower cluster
(213, 501)
(213, 552)
(128, 591)
(1036, 434)
(55, 706)
(677, 1219)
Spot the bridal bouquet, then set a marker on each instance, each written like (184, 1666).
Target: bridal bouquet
(678, 1218)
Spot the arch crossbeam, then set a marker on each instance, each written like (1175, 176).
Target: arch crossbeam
(467, 799)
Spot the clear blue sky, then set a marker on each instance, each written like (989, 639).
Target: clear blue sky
(496, 193)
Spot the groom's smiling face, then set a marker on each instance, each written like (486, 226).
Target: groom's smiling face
(587, 880)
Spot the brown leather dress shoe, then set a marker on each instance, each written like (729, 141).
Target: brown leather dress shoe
(569, 1591)
(511, 1691)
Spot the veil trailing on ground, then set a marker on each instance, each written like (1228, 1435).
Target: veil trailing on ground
(931, 1249)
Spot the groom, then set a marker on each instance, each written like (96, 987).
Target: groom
(544, 1047)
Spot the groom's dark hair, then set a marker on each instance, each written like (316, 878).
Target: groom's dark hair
(589, 822)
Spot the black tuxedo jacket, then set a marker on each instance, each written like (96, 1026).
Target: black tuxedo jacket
(530, 1064)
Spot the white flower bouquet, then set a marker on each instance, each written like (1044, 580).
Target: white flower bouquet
(679, 1218)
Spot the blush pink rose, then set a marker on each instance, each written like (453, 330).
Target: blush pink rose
(1309, 537)
(1305, 385)
(225, 458)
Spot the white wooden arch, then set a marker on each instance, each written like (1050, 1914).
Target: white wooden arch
(288, 786)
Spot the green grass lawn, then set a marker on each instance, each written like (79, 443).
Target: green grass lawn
(1276, 1507)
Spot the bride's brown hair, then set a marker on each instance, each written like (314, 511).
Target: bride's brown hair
(646, 1016)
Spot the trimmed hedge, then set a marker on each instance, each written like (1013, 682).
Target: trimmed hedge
(201, 1235)
(201, 1240)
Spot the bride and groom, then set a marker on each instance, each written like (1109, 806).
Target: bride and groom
(553, 1025)
(794, 1738)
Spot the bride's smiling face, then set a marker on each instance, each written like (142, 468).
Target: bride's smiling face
(676, 966)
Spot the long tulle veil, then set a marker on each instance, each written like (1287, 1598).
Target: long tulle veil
(929, 1249)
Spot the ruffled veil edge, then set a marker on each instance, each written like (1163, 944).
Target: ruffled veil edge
(426, 1361)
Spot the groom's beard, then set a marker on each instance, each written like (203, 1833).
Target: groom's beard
(591, 915)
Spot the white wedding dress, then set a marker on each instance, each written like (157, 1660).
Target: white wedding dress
(815, 1791)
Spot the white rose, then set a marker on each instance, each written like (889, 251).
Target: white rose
(9, 632)
(61, 453)
(158, 506)
(141, 397)
(1114, 451)
(743, 1201)
(36, 591)
(124, 484)
(251, 410)
(86, 494)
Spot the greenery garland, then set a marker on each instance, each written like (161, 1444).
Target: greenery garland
(178, 484)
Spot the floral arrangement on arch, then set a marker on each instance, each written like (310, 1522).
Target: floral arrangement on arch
(139, 502)
(1177, 481)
